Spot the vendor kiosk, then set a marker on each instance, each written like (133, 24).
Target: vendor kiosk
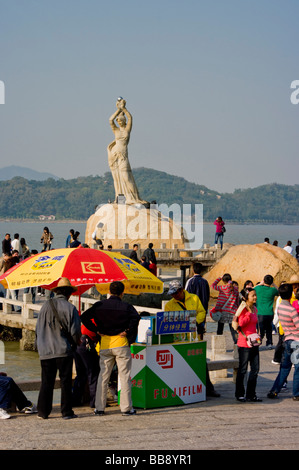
(168, 362)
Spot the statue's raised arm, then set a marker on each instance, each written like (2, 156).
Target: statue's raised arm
(120, 116)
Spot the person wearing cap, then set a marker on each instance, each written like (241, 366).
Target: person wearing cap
(55, 348)
(183, 300)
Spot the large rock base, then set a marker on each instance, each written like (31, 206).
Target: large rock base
(122, 225)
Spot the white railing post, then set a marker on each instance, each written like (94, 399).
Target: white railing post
(7, 308)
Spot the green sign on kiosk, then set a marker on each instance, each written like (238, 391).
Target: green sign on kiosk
(169, 372)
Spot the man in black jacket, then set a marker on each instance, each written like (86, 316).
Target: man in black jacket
(117, 323)
(199, 286)
(149, 254)
(133, 254)
(6, 244)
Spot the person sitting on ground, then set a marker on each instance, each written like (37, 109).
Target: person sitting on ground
(10, 393)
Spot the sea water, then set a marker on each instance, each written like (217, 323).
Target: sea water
(236, 234)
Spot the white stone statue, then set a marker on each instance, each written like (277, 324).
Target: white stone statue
(118, 160)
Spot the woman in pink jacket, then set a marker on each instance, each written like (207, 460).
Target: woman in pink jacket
(247, 355)
(219, 231)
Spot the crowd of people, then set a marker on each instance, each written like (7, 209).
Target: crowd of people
(99, 340)
(253, 314)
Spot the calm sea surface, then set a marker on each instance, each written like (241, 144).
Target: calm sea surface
(235, 234)
(24, 365)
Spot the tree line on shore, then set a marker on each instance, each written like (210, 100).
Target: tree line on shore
(77, 198)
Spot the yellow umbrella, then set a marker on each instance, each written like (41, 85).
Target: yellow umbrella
(84, 267)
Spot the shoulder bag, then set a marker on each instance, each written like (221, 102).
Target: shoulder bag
(216, 314)
(252, 340)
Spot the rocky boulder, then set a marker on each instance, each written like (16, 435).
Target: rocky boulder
(121, 224)
(253, 262)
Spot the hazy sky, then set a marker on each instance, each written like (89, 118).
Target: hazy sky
(207, 82)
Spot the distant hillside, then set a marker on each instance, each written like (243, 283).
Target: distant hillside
(10, 172)
(77, 198)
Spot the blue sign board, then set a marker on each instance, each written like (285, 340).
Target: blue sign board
(180, 321)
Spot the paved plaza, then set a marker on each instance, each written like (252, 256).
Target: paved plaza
(216, 424)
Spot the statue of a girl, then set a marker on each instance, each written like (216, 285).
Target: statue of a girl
(118, 160)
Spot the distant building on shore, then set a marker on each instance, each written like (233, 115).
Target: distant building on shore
(46, 217)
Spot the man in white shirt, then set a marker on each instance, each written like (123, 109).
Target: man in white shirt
(288, 247)
(15, 244)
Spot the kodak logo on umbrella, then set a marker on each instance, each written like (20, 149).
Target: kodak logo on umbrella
(94, 267)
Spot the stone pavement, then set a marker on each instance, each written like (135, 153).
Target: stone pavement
(216, 424)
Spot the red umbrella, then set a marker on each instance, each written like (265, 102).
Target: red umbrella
(84, 267)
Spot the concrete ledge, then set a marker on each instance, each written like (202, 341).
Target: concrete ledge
(223, 364)
(34, 385)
